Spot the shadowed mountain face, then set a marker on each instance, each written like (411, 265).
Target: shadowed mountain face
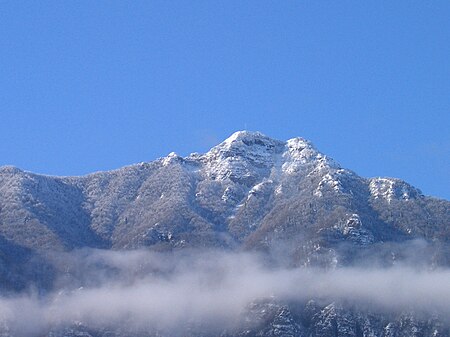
(249, 193)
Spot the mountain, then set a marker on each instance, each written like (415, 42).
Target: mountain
(249, 193)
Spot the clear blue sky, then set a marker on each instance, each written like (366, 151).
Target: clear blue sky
(95, 85)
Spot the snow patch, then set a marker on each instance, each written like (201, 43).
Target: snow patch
(301, 153)
(392, 189)
(332, 181)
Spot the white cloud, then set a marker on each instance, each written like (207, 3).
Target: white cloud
(169, 290)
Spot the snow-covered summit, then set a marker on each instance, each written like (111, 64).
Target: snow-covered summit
(244, 155)
(261, 149)
(249, 156)
(246, 142)
(247, 138)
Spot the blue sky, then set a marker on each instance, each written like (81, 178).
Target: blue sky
(95, 85)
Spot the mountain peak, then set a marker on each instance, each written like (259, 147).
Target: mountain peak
(9, 169)
(248, 138)
(246, 144)
(246, 134)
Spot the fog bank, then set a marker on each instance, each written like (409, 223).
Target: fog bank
(163, 291)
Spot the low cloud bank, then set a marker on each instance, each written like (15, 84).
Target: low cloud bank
(164, 291)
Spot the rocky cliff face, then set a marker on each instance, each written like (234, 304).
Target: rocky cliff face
(250, 192)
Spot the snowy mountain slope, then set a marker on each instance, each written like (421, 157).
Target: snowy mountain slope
(248, 190)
